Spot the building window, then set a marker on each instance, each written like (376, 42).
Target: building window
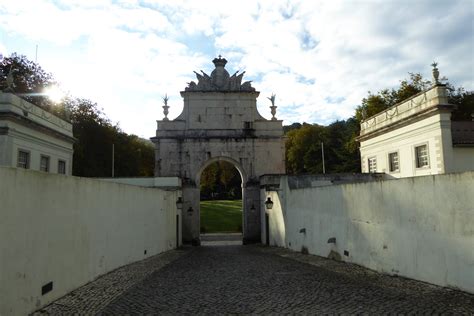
(61, 167)
(421, 155)
(44, 163)
(23, 159)
(393, 162)
(372, 162)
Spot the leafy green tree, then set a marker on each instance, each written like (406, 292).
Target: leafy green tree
(341, 155)
(464, 100)
(376, 103)
(303, 149)
(221, 180)
(291, 127)
(95, 135)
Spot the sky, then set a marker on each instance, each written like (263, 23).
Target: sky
(320, 58)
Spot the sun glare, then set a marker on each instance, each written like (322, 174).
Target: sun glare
(54, 94)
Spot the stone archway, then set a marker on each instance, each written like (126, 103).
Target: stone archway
(240, 169)
(219, 121)
(243, 178)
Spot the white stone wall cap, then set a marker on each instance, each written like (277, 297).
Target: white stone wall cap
(14, 104)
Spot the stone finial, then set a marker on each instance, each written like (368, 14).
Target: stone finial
(10, 81)
(273, 107)
(165, 107)
(435, 73)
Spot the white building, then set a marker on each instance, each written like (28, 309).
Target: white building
(417, 137)
(32, 138)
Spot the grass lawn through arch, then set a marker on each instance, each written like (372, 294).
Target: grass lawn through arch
(221, 216)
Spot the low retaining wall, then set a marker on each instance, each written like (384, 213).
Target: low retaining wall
(420, 228)
(60, 232)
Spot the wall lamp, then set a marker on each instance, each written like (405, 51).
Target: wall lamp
(269, 203)
(190, 211)
(179, 203)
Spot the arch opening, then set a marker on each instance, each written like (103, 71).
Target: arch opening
(221, 183)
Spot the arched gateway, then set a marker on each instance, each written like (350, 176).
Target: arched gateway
(219, 121)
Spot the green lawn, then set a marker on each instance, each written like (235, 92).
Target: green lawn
(221, 216)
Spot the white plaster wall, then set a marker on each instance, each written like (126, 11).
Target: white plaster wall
(70, 230)
(420, 227)
(403, 140)
(37, 144)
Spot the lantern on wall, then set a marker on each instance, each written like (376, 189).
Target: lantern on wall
(179, 203)
(269, 203)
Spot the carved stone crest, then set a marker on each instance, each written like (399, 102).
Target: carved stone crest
(220, 80)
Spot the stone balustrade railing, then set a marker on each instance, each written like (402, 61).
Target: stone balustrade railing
(422, 101)
(14, 104)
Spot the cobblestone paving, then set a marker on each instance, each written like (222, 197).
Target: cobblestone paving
(255, 279)
(91, 298)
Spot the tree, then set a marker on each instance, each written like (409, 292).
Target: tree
(464, 100)
(30, 81)
(341, 154)
(304, 152)
(291, 127)
(93, 150)
(376, 103)
(303, 149)
(221, 180)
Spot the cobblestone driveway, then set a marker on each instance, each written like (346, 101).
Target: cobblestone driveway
(255, 279)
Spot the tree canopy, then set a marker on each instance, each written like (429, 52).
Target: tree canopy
(464, 100)
(304, 152)
(382, 100)
(221, 181)
(30, 81)
(95, 135)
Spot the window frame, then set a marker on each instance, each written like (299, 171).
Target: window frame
(427, 166)
(59, 163)
(390, 162)
(48, 166)
(28, 158)
(368, 164)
